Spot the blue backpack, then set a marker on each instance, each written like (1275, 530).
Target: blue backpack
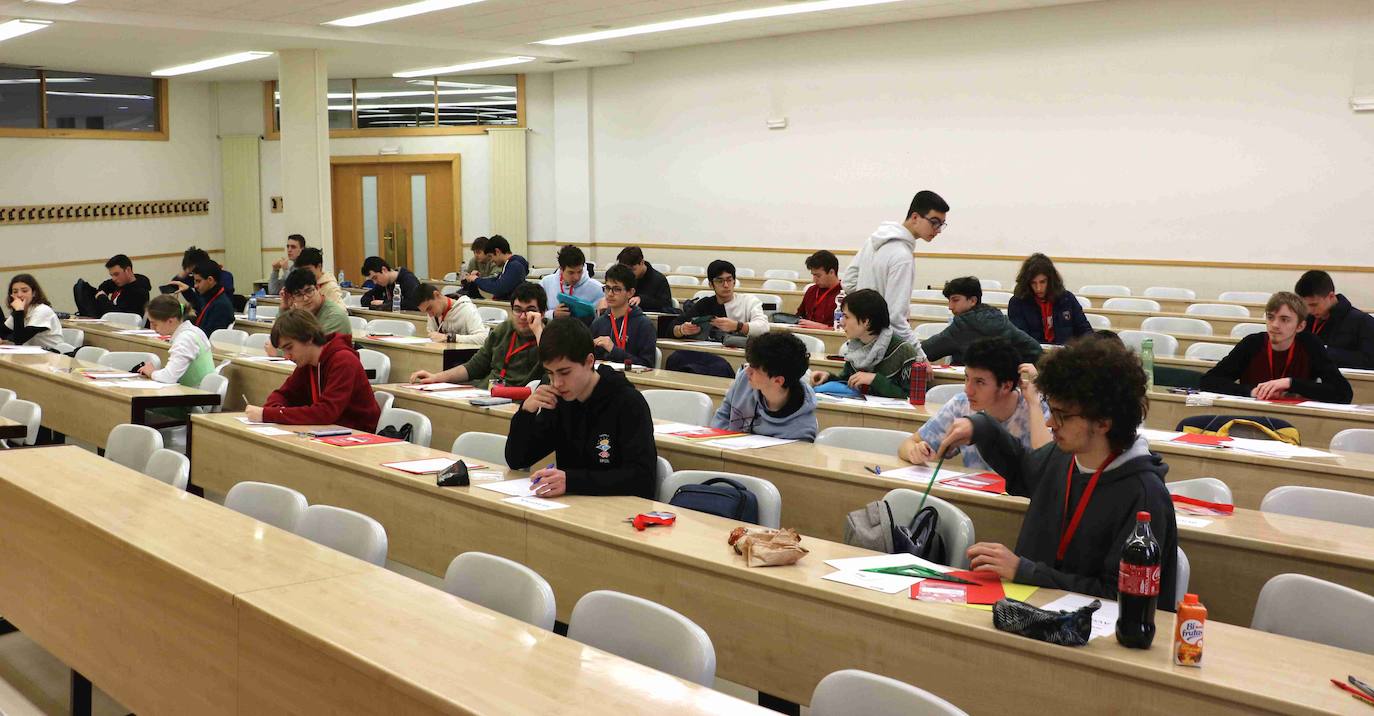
(719, 496)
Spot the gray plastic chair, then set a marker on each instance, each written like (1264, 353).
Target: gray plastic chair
(90, 354)
(502, 585)
(1131, 304)
(1223, 310)
(1186, 294)
(123, 320)
(126, 360)
(851, 692)
(679, 406)
(490, 448)
(170, 467)
(1320, 504)
(376, 361)
(1165, 345)
(787, 274)
(1354, 440)
(1172, 324)
(874, 440)
(421, 429)
(941, 394)
(955, 527)
(1208, 351)
(276, 505)
(132, 445)
(1208, 489)
(645, 632)
(1098, 322)
(1241, 330)
(769, 499)
(1244, 296)
(1313, 609)
(391, 325)
(347, 531)
(26, 413)
(384, 399)
(1104, 289)
(74, 337)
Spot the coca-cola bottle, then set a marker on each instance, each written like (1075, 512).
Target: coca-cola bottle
(1138, 586)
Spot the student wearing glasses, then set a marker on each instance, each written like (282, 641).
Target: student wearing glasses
(885, 263)
(623, 332)
(510, 355)
(303, 292)
(771, 395)
(730, 313)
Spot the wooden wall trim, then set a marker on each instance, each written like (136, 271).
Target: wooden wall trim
(102, 211)
(101, 261)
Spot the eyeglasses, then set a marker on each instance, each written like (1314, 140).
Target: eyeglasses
(306, 292)
(723, 281)
(609, 289)
(937, 222)
(1061, 417)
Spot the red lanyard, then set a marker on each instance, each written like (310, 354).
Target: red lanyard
(1269, 348)
(201, 317)
(623, 334)
(1317, 325)
(565, 287)
(114, 297)
(511, 350)
(1067, 535)
(314, 385)
(1047, 317)
(447, 308)
(820, 300)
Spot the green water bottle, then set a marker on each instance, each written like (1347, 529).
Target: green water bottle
(1147, 361)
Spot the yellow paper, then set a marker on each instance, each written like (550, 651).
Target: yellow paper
(1019, 592)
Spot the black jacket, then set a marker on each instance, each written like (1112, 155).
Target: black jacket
(639, 345)
(193, 297)
(982, 321)
(605, 445)
(1067, 314)
(1348, 334)
(215, 314)
(1093, 558)
(1224, 377)
(410, 290)
(502, 286)
(653, 290)
(125, 299)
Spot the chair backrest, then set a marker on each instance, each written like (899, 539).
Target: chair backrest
(64, 348)
(1170, 324)
(1226, 310)
(1165, 345)
(228, 336)
(941, 394)
(421, 429)
(501, 585)
(788, 274)
(1320, 504)
(267, 313)
(376, 361)
(1169, 292)
(996, 298)
(1207, 351)
(1209, 489)
(126, 360)
(645, 632)
(703, 294)
(662, 268)
(1098, 322)
(1105, 289)
(954, 526)
(26, 413)
(6, 395)
(1083, 302)
(769, 298)
(170, 467)
(859, 692)
(779, 284)
(490, 448)
(384, 399)
(345, 530)
(1244, 296)
(119, 318)
(1131, 304)
(276, 505)
(90, 354)
(491, 313)
(1354, 440)
(223, 364)
(923, 331)
(743, 272)
(358, 324)
(932, 310)
(1241, 330)
(257, 341)
(450, 290)
(770, 500)
(691, 269)
(877, 440)
(658, 358)
(1183, 571)
(934, 293)
(676, 280)
(1313, 609)
(662, 472)
(451, 276)
(217, 384)
(814, 345)
(391, 325)
(679, 406)
(353, 300)
(132, 445)
(990, 283)
(74, 337)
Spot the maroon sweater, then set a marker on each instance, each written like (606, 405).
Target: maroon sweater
(819, 304)
(335, 392)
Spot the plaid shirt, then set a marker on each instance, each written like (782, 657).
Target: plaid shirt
(933, 432)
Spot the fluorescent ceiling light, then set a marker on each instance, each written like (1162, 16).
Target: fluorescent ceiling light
(53, 2)
(15, 28)
(430, 71)
(211, 63)
(99, 95)
(398, 12)
(705, 20)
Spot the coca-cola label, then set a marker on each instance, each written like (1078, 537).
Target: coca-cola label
(1138, 580)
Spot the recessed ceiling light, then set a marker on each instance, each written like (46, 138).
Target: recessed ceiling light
(53, 2)
(398, 12)
(211, 63)
(705, 20)
(430, 71)
(15, 28)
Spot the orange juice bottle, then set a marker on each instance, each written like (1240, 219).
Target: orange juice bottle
(1188, 624)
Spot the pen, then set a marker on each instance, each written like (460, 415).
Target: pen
(876, 469)
(535, 481)
(1362, 686)
(1353, 691)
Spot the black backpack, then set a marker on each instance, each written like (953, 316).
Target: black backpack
(920, 538)
(719, 496)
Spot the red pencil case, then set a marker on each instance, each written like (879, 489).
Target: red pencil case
(516, 393)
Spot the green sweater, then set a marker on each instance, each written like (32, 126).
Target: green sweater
(892, 375)
(485, 367)
(334, 319)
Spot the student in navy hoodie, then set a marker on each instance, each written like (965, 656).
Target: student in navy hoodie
(623, 332)
(1040, 306)
(514, 269)
(214, 310)
(1346, 331)
(384, 280)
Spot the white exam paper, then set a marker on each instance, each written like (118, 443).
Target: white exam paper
(138, 332)
(22, 350)
(1104, 619)
(109, 374)
(421, 467)
(516, 488)
(536, 503)
(406, 340)
(1274, 448)
(885, 583)
(269, 430)
(921, 474)
(858, 564)
(1157, 435)
(1194, 522)
(747, 442)
(667, 428)
(1333, 406)
(137, 384)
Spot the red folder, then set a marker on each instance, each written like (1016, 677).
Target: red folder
(357, 440)
(1198, 439)
(1194, 506)
(982, 482)
(707, 434)
(987, 590)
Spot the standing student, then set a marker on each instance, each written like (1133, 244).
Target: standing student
(452, 319)
(190, 259)
(481, 263)
(652, 292)
(1087, 485)
(31, 322)
(731, 313)
(303, 293)
(1282, 361)
(214, 310)
(818, 303)
(598, 425)
(501, 287)
(124, 291)
(571, 279)
(312, 260)
(281, 268)
(885, 263)
(623, 332)
(876, 359)
(329, 385)
(993, 372)
(1346, 331)
(769, 395)
(510, 354)
(384, 278)
(1042, 308)
(189, 358)
(974, 319)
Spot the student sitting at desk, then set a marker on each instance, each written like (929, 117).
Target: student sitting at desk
(514, 269)
(817, 308)
(384, 281)
(876, 359)
(1281, 362)
(571, 279)
(992, 373)
(189, 358)
(729, 313)
(1042, 308)
(597, 424)
(509, 356)
(974, 319)
(214, 310)
(184, 281)
(32, 321)
(452, 319)
(282, 267)
(312, 260)
(329, 385)
(124, 291)
(623, 332)
(652, 292)
(481, 263)
(1087, 486)
(302, 291)
(769, 395)
(1346, 331)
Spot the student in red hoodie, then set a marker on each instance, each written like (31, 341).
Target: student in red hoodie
(329, 385)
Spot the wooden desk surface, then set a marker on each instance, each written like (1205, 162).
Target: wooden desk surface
(771, 612)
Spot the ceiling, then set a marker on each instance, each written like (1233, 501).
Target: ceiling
(134, 37)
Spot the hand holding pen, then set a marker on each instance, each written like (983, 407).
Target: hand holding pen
(549, 482)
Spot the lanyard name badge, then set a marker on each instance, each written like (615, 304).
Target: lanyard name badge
(511, 351)
(1269, 349)
(1066, 535)
(201, 317)
(623, 335)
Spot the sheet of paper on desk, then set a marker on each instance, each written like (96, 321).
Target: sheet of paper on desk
(431, 387)
(268, 359)
(516, 488)
(421, 467)
(137, 332)
(22, 350)
(406, 340)
(919, 473)
(1157, 435)
(464, 393)
(666, 428)
(536, 503)
(881, 402)
(136, 384)
(1104, 619)
(109, 375)
(1194, 522)
(1334, 406)
(1274, 448)
(858, 564)
(269, 430)
(885, 583)
(244, 419)
(747, 442)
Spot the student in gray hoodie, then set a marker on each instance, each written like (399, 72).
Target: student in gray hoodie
(885, 263)
(974, 319)
(770, 396)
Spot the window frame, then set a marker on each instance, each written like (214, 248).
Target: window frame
(272, 133)
(161, 134)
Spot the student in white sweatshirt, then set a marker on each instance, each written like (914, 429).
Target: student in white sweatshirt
(31, 322)
(452, 319)
(885, 262)
(724, 313)
(189, 359)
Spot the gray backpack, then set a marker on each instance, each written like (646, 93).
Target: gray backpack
(874, 528)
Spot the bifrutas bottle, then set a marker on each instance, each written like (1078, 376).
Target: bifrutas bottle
(1188, 623)
(1138, 586)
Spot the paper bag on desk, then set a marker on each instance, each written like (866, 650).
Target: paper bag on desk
(764, 547)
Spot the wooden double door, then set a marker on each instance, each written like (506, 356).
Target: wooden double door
(404, 209)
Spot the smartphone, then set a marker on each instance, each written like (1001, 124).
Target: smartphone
(489, 402)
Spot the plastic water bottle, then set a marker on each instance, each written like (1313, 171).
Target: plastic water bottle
(253, 308)
(839, 312)
(1147, 361)
(396, 297)
(342, 279)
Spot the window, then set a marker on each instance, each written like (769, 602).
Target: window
(82, 105)
(464, 104)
